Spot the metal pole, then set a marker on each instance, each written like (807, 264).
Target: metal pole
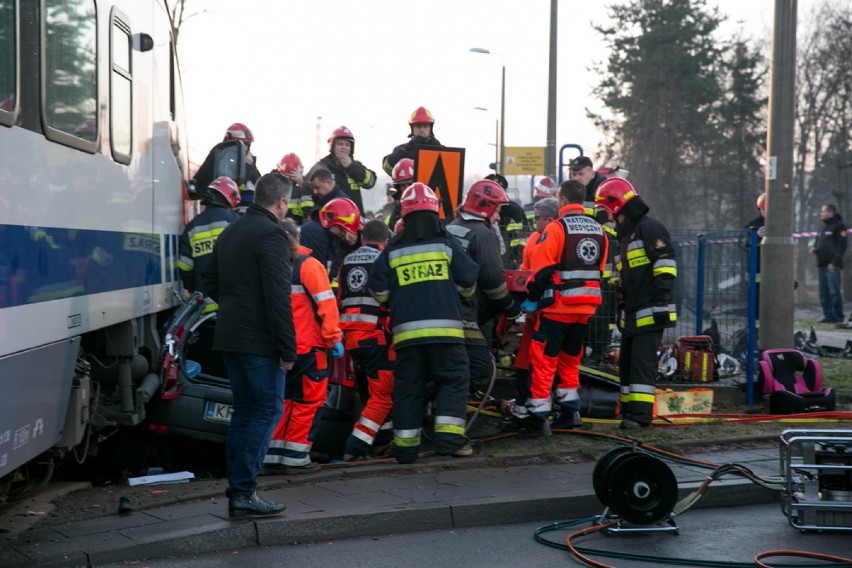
(550, 151)
(502, 171)
(776, 287)
(497, 146)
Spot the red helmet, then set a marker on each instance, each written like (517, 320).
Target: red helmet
(546, 187)
(228, 188)
(241, 132)
(418, 197)
(613, 194)
(403, 171)
(761, 200)
(289, 164)
(342, 133)
(484, 197)
(421, 115)
(343, 213)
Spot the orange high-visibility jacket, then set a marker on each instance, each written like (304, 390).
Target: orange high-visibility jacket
(315, 314)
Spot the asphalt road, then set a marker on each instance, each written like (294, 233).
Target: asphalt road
(719, 535)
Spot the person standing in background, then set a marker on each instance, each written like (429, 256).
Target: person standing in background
(829, 250)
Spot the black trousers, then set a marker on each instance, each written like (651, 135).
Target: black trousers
(637, 370)
(447, 365)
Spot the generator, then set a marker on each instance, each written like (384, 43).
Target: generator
(817, 469)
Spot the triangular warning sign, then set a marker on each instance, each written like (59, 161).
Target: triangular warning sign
(442, 169)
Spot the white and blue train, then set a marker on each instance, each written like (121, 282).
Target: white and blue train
(92, 201)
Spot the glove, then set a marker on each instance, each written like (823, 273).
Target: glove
(337, 350)
(513, 312)
(529, 306)
(661, 315)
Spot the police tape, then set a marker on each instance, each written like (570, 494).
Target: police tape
(731, 240)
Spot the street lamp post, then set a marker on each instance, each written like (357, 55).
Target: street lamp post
(502, 143)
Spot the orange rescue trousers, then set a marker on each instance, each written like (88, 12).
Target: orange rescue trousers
(305, 391)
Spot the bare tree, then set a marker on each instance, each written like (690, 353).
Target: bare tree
(180, 14)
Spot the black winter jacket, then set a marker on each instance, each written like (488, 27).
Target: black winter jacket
(249, 277)
(831, 243)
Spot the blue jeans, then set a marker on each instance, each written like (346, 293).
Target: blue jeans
(830, 295)
(257, 384)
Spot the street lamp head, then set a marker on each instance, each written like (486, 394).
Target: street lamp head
(479, 50)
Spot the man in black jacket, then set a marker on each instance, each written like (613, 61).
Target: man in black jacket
(249, 277)
(582, 170)
(829, 249)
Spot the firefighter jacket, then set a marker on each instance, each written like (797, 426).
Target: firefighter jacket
(249, 276)
(591, 189)
(831, 243)
(315, 314)
(351, 180)
(409, 150)
(481, 244)
(647, 270)
(362, 317)
(421, 282)
(301, 203)
(567, 265)
(197, 240)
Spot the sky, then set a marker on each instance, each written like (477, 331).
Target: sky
(294, 70)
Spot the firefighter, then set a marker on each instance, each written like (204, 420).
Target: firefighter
(422, 134)
(403, 176)
(473, 228)
(197, 240)
(420, 275)
(364, 321)
(318, 335)
(350, 175)
(300, 206)
(567, 265)
(216, 160)
(647, 270)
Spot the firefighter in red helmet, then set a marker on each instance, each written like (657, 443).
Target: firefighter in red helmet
(422, 125)
(647, 270)
(237, 141)
(479, 212)
(420, 275)
(197, 240)
(350, 175)
(302, 201)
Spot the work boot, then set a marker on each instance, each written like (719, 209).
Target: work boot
(246, 506)
(568, 419)
(536, 426)
(627, 424)
(464, 452)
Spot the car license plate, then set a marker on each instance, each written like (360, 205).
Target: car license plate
(217, 412)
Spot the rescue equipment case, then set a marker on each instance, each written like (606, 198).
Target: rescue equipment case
(696, 360)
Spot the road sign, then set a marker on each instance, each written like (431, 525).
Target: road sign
(524, 160)
(442, 169)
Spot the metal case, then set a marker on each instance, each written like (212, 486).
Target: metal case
(817, 467)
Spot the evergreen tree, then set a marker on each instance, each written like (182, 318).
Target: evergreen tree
(662, 90)
(736, 167)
